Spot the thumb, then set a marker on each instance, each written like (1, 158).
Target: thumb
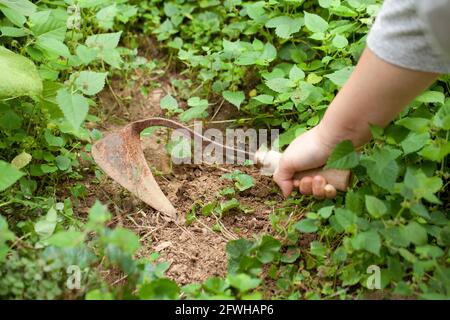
(284, 180)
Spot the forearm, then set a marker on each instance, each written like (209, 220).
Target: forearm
(374, 94)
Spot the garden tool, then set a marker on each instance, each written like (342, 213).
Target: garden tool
(121, 157)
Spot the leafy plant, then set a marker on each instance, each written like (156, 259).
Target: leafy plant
(279, 63)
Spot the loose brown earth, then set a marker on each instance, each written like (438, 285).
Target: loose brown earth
(195, 251)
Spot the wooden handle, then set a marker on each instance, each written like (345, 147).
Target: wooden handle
(269, 159)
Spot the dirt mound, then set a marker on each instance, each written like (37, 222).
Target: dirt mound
(195, 251)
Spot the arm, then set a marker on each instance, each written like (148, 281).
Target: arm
(375, 93)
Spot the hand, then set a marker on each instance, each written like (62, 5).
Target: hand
(308, 151)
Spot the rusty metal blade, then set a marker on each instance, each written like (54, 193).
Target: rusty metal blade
(121, 157)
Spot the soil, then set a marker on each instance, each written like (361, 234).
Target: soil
(195, 252)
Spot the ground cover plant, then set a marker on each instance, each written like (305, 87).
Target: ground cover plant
(261, 64)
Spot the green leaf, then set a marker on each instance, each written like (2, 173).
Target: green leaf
(268, 55)
(10, 121)
(436, 151)
(395, 236)
(325, 212)
(375, 206)
(296, 74)
(104, 41)
(415, 233)
(5, 235)
(343, 156)
(12, 32)
(306, 226)
(315, 23)
(414, 142)
(419, 125)
(264, 99)
(75, 107)
(431, 97)
(24, 7)
(215, 284)
(98, 294)
(285, 26)
(345, 218)
(46, 226)
(99, 214)
(23, 78)
(49, 24)
(106, 44)
(318, 249)
(48, 168)
(148, 132)
(339, 41)
(369, 241)
(16, 11)
(90, 82)
(169, 103)
(422, 186)
(268, 249)
(340, 77)
(442, 117)
(53, 141)
(105, 16)
(159, 289)
(313, 78)
(14, 16)
(243, 282)
(86, 54)
(207, 209)
(325, 3)
(235, 98)
(52, 46)
(382, 167)
(229, 205)
(63, 162)
(197, 102)
(194, 113)
(280, 85)
(9, 175)
(198, 110)
(255, 10)
(238, 248)
(429, 251)
(408, 256)
(343, 11)
(291, 255)
(340, 255)
(66, 239)
(243, 182)
(124, 239)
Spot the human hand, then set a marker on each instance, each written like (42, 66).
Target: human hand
(308, 151)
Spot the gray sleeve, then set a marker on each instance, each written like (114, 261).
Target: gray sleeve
(413, 34)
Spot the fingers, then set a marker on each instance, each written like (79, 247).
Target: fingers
(330, 191)
(316, 186)
(284, 181)
(306, 186)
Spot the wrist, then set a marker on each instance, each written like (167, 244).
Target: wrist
(332, 133)
(326, 137)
